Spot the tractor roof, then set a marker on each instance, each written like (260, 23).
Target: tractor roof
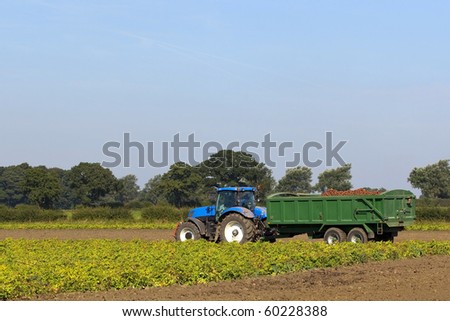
(237, 189)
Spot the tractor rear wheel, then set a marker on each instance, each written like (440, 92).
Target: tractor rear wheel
(236, 228)
(187, 231)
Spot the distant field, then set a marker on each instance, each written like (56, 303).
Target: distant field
(101, 224)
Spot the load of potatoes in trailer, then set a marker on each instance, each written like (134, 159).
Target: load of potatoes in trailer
(339, 218)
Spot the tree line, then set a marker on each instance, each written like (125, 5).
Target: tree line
(90, 184)
(86, 184)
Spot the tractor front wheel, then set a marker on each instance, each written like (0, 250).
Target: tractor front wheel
(236, 228)
(187, 231)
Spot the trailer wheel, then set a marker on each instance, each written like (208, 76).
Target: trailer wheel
(187, 231)
(334, 235)
(236, 228)
(357, 235)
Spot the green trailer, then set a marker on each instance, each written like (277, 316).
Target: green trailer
(356, 218)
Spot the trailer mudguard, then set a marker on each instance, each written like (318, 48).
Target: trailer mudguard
(369, 231)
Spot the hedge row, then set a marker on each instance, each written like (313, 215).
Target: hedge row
(432, 202)
(29, 213)
(164, 213)
(434, 213)
(101, 213)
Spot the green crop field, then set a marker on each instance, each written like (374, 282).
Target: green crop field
(32, 267)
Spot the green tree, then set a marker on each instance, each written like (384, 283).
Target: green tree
(338, 179)
(12, 179)
(230, 168)
(296, 180)
(42, 187)
(90, 183)
(67, 198)
(152, 191)
(123, 191)
(433, 180)
(128, 189)
(180, 185)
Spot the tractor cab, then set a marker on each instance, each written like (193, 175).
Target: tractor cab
(232, 197)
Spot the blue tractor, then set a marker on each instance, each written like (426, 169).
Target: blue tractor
(234, 218)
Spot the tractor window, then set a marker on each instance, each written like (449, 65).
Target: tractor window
(247, 199)
(226, 199)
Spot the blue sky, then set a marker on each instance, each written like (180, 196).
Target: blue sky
(77, 74)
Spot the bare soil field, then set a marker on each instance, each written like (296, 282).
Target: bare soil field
(423, 279)
(152, 235)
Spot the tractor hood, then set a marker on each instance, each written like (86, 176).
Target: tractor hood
(203, 211)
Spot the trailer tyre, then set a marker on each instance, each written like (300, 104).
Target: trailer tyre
(236, 228)
(187, 231)
(357, 235)
(334, 235)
